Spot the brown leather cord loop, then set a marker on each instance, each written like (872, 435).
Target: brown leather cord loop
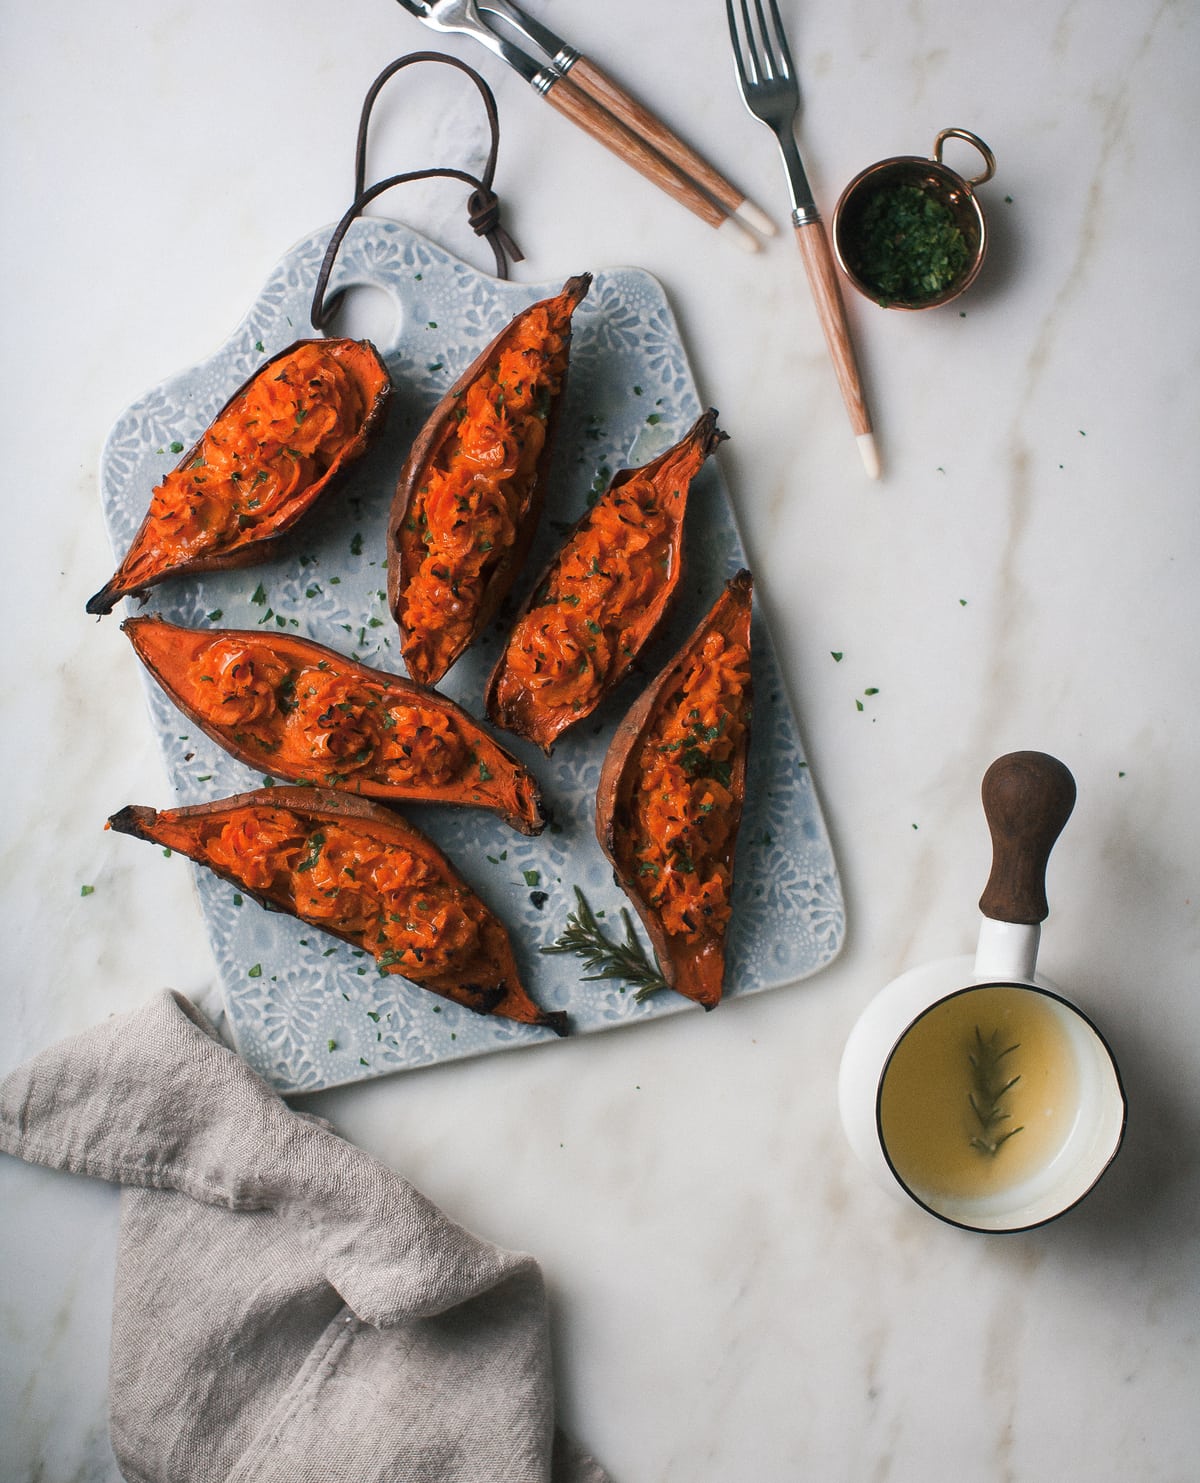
(483, 205)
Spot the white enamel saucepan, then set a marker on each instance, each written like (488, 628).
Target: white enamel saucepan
(973, 1086)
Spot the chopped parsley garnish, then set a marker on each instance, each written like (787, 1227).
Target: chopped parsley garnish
(906, 245)
(316, 843)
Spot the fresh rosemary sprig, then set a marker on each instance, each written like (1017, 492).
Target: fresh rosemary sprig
(624, 960)
(987, 1090)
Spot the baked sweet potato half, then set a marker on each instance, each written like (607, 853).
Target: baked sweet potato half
(671, 793)
(357, 871)
(269, 454)
(470, 492)
(602, 597)
(301, 711)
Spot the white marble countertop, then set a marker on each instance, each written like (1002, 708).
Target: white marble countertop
(732, 1299)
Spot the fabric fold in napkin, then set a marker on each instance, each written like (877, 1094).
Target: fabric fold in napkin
(287, 1309)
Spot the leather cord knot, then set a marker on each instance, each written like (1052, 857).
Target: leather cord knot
(483, 213)
(483, 204)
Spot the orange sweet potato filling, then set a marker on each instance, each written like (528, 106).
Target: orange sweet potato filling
(277, 438)
(315, 719)
(568, 645)
(467, 510)
(682, 805)
(410, 919)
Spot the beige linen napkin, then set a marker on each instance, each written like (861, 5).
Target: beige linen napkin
(287, 1309)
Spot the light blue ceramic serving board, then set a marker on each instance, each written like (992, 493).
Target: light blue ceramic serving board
(292, 992)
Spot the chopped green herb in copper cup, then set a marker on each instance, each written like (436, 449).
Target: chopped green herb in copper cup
(908, 232)
(908, 248)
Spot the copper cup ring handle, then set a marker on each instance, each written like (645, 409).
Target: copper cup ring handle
(989, 159)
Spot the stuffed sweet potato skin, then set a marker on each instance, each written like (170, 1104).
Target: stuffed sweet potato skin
(303, 712)
(470, 492)
(279, 442)
(671, 793)
(602, 597)
(361, 873)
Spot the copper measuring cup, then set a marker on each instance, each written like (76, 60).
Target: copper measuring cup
(938, 180)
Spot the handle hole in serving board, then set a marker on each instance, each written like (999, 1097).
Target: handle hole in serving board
(365, 311)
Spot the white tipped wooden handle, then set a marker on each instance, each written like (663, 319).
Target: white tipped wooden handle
(827, 295)
(597, 84)
(595, 120)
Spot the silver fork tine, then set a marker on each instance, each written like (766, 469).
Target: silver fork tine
(756, 69)
(764, 32)
(738, 60)
(753, 69)
(785, 56)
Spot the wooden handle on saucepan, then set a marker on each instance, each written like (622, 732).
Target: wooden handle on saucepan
(1027, 799)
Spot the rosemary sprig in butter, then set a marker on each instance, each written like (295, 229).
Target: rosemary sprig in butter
(988, 1087)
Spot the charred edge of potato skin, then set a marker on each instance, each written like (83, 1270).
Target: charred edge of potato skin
(529, 816)
(614, 818)
(704, 432)
(261, 550)
(318, 805)
(433, 433)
